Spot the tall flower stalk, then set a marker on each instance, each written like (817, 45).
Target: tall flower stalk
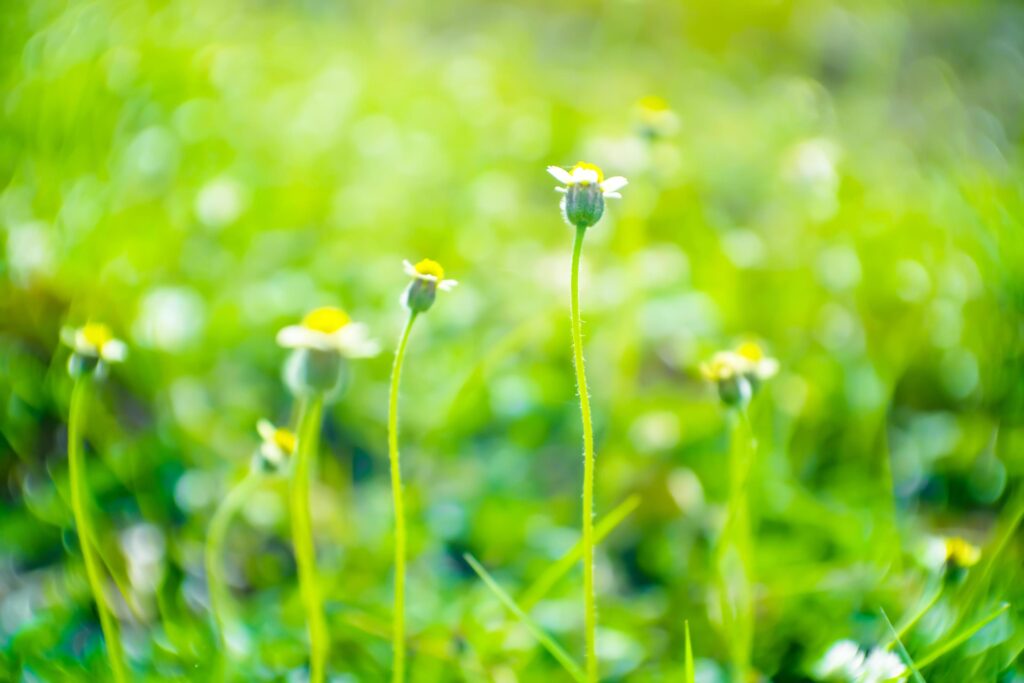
(93, 348)
(271, 458)
(316, 370)
(738, 375)
(585, 189)
(427, 278)
(302, 536)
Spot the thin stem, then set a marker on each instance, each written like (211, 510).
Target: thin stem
(79, 498)
(220, 600)
(735, 550)
(398, 627)
(302, 533)
(589, 608)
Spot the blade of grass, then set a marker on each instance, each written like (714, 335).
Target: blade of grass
(960, 638)
(912, 621)
(540, 587)
(902, 650)
(544, 639)
(689, 676)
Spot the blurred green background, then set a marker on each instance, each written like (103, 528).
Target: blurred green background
(844, 184)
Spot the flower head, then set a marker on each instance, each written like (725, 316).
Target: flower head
(880, 666)
(427, 277)
(585, 191)
(655, 119)
(739, 373)
(277, 446)
(329, 329)
(92, 345)
(843, 661)
(960, 553)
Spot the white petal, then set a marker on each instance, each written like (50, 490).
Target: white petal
(83, 345)
(447, 285)
(409, 269)
(561, 189)
(560, 174)
(266, 430)
(585, 175)
(69, 336)
(115, 351)
(612, 195)
(299, 337)
(614, 184)
(272, 452)
(353, 341)
(767, 367)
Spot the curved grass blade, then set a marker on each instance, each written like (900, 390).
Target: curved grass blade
(540, 587)
(544, 639)
(960, 638)
(689, 676)
(918, 678)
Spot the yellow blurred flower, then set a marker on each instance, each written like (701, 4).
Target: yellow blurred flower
(278, 443)
(94, 341)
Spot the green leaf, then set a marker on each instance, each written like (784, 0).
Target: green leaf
(544, 639)
(902, 650)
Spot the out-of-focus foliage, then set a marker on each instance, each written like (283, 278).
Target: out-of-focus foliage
(843, 183)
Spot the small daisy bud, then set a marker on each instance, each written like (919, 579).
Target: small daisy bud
(419, 295)
(93, 347)
(735, 391)
(312, 371)
(585, 189)
(583, 205)
(427, 277)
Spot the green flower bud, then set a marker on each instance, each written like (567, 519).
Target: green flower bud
(583, 205)
(312, 371)
(419, 295)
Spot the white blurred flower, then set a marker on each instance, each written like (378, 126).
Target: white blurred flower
(220, 202)
(94, 341)
(278, 443)
(170, 318)
(329, 329)
(882, 666)
(843, 661)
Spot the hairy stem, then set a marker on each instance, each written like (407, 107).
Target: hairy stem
(589, 608)
(302, 533)
(220, 601)
(398, 623)
(86, 538)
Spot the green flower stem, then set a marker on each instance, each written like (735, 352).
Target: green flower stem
(735, 551)
(220, 600)
(86, 538)
(589, 608)
(302, 533)
(398, 624)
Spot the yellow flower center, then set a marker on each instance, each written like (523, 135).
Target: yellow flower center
(962, 553)
(591, 167)
(430, 267)
(327, 320)
(750, 351)
(653, 103)
(285, 440)
(97, 335)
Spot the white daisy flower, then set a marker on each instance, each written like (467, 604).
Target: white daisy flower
(882, 666)
(278, 443)
(588, 174)
(95, 341)
(427, 277)
(329, 329)
(431, 271)
(843, 661)
(739, 373)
